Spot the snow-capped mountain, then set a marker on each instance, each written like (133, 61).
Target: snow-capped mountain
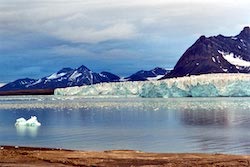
(66, 77)
(216, 54)
(143, 75)
(18, 84)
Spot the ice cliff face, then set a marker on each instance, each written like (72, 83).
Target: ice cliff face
(208, 85)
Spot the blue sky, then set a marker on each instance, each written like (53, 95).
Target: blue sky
(39, 37)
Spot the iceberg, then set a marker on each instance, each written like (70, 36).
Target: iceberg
(30, 122)
(206, 85)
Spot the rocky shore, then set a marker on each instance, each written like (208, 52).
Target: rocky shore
(28, 156)
(27, 92)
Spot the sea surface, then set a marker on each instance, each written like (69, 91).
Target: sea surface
(208, 125)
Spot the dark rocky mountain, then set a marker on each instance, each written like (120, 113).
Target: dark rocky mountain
(66, 77)
(216, 54)
(109, 76)
(143, 75)
(18, 84)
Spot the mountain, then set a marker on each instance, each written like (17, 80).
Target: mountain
(18, 84)
(66, 77)
(216, 54)
(143, 75)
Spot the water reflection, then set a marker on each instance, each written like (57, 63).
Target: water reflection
(158, 125)
(30, 131)
(204, 117)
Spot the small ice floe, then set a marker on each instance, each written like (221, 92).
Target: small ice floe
(30, 122)
(156, 109)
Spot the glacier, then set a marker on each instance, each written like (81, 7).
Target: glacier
(206, 85)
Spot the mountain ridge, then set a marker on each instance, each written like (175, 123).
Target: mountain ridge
(65, 77)
(68, 77)
(215, 54)
(144, 75)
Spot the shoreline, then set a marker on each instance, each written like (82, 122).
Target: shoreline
(31, 156)
(27, 92)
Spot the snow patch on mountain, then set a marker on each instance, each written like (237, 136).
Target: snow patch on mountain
(213, 59)
(123, 79)
(102, 75)
(2, 84)
(234, 59)
(155, 78)
(37, 82)
(75, 75)
(55, 75)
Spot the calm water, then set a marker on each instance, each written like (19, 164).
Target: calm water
(157, 125)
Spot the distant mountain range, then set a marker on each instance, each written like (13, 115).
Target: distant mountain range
(153, 74)
(68, 77)
(216, 54)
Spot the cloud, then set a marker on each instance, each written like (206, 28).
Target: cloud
(102, 20)
(108, 34)
(75, 22)
(117, 31)
(69, 50)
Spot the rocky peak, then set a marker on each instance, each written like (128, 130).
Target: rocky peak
(83, 68)
(215, 54)
(202, 38)
(245, 33)
(64, 70)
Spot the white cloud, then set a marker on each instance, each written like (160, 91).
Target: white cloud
(93, 21)
(75, 21)
(69, 50)
(117, 31)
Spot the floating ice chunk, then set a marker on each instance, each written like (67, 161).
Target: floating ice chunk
(30, 122)
(20, 121)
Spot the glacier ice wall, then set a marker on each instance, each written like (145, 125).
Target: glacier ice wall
(207, 85)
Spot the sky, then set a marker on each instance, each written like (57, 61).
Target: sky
(39, 37)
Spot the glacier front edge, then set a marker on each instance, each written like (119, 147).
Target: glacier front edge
(206, 85)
